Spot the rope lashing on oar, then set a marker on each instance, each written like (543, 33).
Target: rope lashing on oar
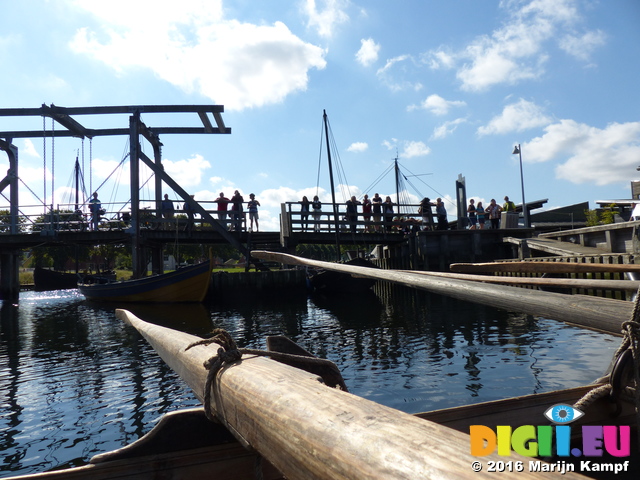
(229, 353)
(627, 354)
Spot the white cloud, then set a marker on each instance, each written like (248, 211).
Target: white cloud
(414, 149)
(390, 144)
(398, 67)
(602, 156)
(240, 65)
(188, 172)
(582, 46)
(325, 20)
(516, 117)
(29, 149)
(447, 128)
(368, 52)
(358, 147)
(517, 50)
(438, 105)
(438, 59)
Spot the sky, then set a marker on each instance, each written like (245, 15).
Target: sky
(447, 88)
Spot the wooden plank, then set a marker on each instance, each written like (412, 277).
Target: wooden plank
(627, 285)
(310, 431)
(541, 267)
(596, 313)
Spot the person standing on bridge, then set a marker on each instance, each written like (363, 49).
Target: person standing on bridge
(366, 212)
(304, 213)
(253, 205)
(168, 211)
(352, 212)
(316, 205)
(388, 213)
(376, 206)
(95, 207)
(236, 211)
(222, 202)
(190, 211)
(441, 213)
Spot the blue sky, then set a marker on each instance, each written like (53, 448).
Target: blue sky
(448, 86)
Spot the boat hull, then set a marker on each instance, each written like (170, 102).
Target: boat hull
(189, 284)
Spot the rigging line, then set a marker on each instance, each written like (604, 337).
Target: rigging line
(342, 178)
(32, 192)
(113, 171)
(380, 177)
(20, 211)
(439, 194)
(320, 158)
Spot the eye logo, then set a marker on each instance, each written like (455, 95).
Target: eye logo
(563, 413)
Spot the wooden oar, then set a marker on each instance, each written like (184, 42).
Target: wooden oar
(597, 313)
(585, 283)
(542, 267)
(310, 431)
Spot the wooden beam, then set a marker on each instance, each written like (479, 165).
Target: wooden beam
(206, 122)
(569, 283)
(542, 267)
(596, 313)
(310, 431)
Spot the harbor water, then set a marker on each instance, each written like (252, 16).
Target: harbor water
(76, 382)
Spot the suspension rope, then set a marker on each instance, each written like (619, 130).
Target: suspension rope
(83, 156)
(53, 144)
(44, 161)
(90, 166)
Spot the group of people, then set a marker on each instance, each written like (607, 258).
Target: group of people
(236, 213)
(478, 214)
(377, 214)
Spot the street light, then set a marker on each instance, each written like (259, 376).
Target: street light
(525, 210)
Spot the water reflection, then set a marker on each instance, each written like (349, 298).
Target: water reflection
(77, 382)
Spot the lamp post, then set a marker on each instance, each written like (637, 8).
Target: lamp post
(525, 210)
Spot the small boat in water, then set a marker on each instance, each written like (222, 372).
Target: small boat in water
(187, 284)
(46, 280)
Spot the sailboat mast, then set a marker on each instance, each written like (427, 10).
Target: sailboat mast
(397, 184)
(333, 192)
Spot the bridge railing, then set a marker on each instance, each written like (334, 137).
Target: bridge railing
(114, 216)
(294, 220)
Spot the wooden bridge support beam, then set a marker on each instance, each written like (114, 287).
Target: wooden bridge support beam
(10, 276)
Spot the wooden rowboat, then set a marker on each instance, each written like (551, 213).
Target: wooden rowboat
(188, 284)
(302, 429)
(307, 430)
